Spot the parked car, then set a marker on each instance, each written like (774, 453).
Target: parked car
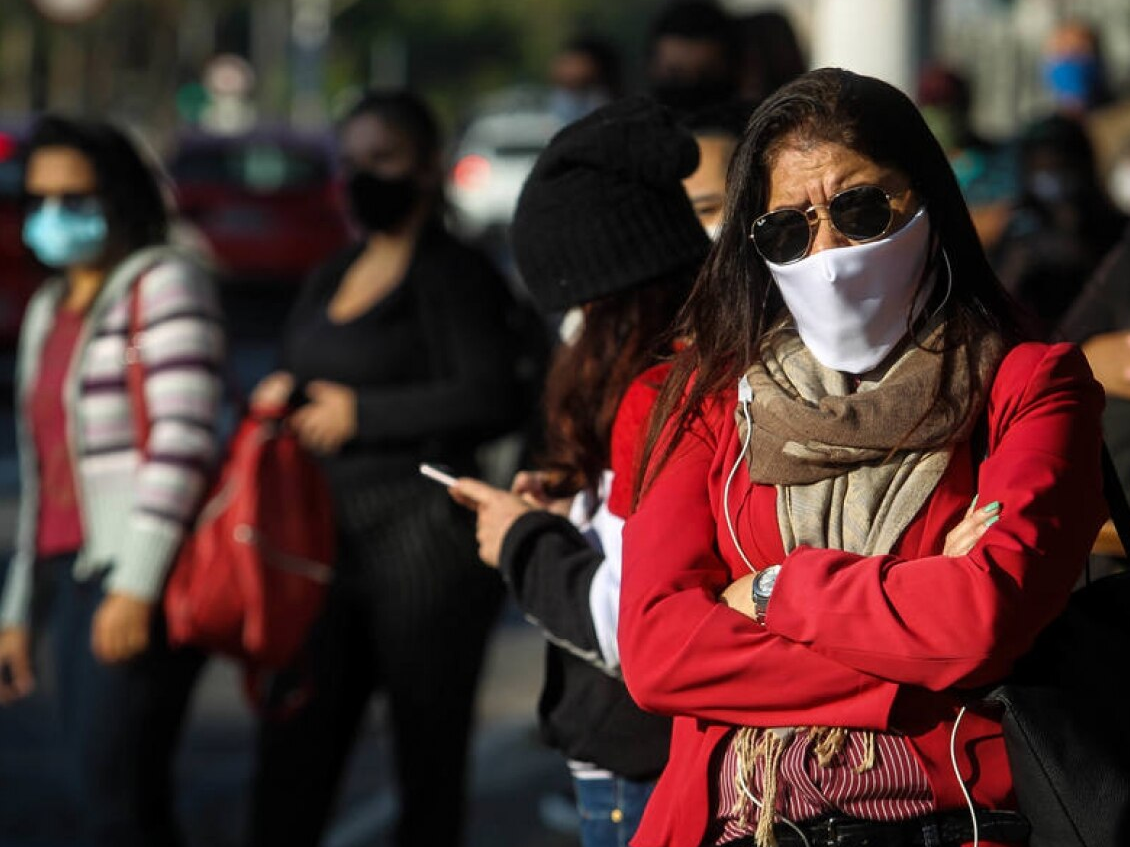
(20, 273)
(492, 156)
(266, 203)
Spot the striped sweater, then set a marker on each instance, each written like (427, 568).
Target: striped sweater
(135, 500)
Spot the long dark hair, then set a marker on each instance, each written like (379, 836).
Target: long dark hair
(129, 183)
(623, 335)
(734, 301)
(405, 111)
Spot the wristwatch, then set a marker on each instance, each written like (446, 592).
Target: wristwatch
(762, 588)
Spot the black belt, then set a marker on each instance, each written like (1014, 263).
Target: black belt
(941, 829)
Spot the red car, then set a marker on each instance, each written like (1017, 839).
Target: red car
(266, 202)
(20, 274)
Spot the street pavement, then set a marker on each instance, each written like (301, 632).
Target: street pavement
(519, 788)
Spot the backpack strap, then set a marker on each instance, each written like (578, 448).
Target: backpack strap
(135, 367)
(1116, 502)
(979, 445)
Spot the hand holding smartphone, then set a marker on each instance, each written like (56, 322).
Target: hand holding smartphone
(495, 509)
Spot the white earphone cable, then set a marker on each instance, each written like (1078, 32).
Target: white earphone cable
(960, 781)
(745, 396)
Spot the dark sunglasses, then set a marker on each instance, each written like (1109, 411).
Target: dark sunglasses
(71, 201)
(862, 213)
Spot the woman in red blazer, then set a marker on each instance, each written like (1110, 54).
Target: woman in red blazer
(819, 571)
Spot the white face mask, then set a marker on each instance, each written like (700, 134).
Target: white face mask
(714, 230)
(851, 304)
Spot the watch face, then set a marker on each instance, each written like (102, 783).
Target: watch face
(766, 579)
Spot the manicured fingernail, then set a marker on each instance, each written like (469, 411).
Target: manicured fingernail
(973, 505)
(992, 507)
(992, 521)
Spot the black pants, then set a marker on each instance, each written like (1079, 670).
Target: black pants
(409, 615)
(121, 722)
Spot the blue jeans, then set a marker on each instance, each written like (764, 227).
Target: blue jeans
(121, 722)
(610, 809)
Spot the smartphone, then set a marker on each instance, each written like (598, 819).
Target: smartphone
(439, 473)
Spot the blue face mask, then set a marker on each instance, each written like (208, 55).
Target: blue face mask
(1072, 79)
(569, 106)
(61, 236)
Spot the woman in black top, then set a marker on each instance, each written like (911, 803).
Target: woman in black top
(397, 352)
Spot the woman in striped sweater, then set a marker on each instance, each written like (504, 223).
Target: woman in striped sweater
(101, 514)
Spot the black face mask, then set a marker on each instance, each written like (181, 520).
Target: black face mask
(379, 204)
(689, 96)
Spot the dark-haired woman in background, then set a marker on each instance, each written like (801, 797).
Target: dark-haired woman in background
(102, 514)
(397, 353)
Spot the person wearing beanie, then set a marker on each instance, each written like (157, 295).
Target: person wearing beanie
(603, 224)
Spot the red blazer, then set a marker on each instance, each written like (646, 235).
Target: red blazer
(878, 642)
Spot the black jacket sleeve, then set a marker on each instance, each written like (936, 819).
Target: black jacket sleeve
(549, 567)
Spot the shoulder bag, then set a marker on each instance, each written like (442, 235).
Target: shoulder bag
(251, 575)
(1066, 726)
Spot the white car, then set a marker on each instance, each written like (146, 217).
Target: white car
(492, 157)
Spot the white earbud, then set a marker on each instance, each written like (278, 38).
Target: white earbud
(745, 390)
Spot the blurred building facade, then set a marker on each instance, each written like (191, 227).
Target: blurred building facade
(133, 56)
(998, 44)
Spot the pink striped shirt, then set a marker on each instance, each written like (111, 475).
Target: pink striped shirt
(896, 788)
(135, 499)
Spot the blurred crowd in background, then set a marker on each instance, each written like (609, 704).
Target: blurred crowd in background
(238, 100)
(243, 107)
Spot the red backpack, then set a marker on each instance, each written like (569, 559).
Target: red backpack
(251, 575)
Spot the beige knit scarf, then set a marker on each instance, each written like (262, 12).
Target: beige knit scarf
(852, 464)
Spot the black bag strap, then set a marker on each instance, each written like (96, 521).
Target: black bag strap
(1115, 496)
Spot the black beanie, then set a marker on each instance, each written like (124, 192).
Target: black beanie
(604, 209)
